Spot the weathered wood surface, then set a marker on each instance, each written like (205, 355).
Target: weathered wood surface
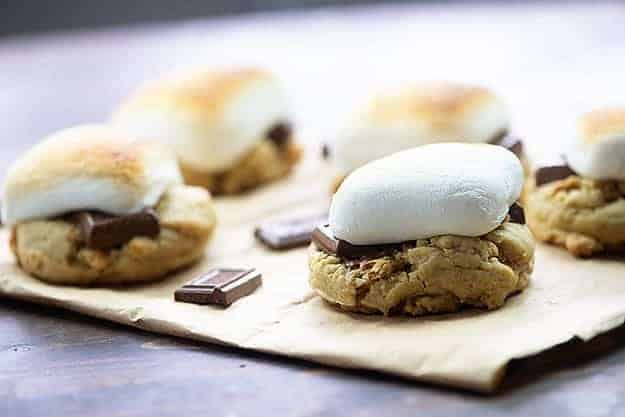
(549, 62)
(57, 363)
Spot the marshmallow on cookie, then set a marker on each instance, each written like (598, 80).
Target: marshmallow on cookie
(90, 205)
(231, 130)
(599, 151)
(420, 114)
(417, 194)
(426, 230)
(89, 167)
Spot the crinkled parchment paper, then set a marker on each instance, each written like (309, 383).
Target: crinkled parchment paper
(566, 298)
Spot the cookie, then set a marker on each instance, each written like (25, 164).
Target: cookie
(420, 114)
(88, 206)
(584, 216)
(53, 250)
(267, 162)
(437, 275)
(428, 230)
(231, 130)
(579, 204)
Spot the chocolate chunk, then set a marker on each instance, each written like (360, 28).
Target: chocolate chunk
(516, 213)
(325, 240)
(325, 151)
(512, 143)
(555, 171)
(280, 133)
(104, 231)
(219, 286)
(288, 234)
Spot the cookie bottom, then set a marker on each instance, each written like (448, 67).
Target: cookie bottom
(438, 275)
(265, 163)
(52, 250)
(584, 216)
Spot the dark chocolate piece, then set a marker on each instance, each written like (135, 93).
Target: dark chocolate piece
(280, 133)
(104, 231)
(325, 240)
(511, 142)
(288, 234)
(556, 171)
(221, 286)
(516, 213)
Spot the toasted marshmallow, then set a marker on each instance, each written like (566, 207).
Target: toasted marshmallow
(452, 188)
(90, 167)
(599, 151)
(427, 112)
(211, 119)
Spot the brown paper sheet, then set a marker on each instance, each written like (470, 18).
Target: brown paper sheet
(566, 298)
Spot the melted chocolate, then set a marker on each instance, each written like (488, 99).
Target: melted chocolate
(103, 231)
(280, 133)
(516, 213)
(325, 240)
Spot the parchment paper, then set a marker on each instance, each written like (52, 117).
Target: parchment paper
(566, 298)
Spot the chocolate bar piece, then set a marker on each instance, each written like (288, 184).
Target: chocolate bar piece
(516, 213)
(104, 231)
(219, 286)
(325, 240)
(280, 133)
(555, 171)
(289, 234)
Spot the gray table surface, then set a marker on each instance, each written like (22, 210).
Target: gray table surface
(548, 62)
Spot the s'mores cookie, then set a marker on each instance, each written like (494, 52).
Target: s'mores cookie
(90, 206)
(578, 201)
(231, 130)
(420, 114)
(427, 230)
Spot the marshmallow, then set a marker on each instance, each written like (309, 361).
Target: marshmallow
(452, 188)
(90, 167)
(599, 151)
(211, 119)
(428, 112)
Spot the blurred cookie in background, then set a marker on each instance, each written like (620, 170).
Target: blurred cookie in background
(577, 200)
(231, 129)
(419, 114)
